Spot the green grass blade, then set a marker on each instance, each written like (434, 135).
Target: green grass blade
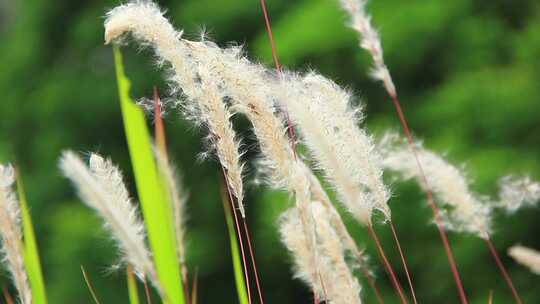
(156, 208)
(31, 256)
(132, 287)
(235, 251)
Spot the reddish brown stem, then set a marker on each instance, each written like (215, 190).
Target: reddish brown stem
(290, 129)
(159, 129)
(7, 296)
(194, 287)
(253, 264)
(238, 233)
(504, 273)
(403, 262)
(431, 202)
(387, 266)
(89, 285)
(147, 292)
(270, 36)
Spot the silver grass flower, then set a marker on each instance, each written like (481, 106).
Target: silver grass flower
(463, 210)
(101, 187)
(527, 257)
(11, 234)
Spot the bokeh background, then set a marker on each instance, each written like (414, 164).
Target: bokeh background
(468, 73)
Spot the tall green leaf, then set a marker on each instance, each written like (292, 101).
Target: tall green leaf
(31, 256)
(156, 208)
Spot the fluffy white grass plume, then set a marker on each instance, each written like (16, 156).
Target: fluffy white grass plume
(178, 198)
(343, 151)
(333, 281)
(527, 257)
(145, 21)
(463, 210)
(11, 234)
(101, 187)
(360, 22)
(517, 192)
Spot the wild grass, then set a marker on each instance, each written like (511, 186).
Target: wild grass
(285, 109)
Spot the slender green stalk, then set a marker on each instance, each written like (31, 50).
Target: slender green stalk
(235, 251)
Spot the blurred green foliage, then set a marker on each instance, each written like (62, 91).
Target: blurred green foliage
(467, 73)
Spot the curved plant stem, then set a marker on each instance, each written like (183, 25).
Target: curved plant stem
(402, 256)
(89, 285)
(501, 267)
(387, 265)
(238, 232)
(431, 202)
(253, 263)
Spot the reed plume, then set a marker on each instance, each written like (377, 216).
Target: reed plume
(464, 211)
(343, 151)
(518, 192)
(101, 187)
(527, 257)
(369, 40)
(205, 101)
(11, 234)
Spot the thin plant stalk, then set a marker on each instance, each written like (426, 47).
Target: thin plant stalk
(403, 262)
(431, 202)
(159, 129)
(387, 265)
(253, 263)
(502, 269)
(194, 287)
(89, 285)
(369, 40)
(268, 26)
(228, 197)
(7, 296)
(147, 293)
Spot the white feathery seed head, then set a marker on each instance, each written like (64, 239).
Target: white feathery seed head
(192, 77)
(517, 192)
(360, 22)
(101, 187)
(332, 280)
(343, 151)
(462, 210)
(11, 234)
(527, 257)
